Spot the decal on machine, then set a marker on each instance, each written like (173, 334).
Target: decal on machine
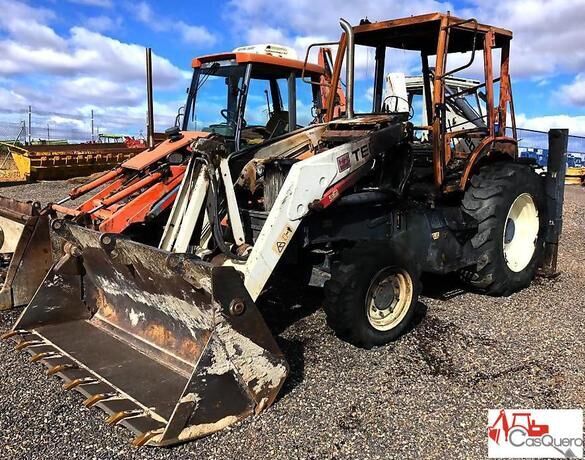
(283, 240)
(345, 160)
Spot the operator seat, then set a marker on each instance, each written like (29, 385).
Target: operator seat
(277, 125)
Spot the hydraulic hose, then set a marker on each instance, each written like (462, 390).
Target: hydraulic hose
(213, 213)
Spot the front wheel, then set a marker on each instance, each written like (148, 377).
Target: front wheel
(371, 296)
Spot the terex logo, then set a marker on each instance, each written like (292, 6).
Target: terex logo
(535, 433)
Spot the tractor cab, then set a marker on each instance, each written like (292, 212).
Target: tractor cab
(249, 96)
(445, 147)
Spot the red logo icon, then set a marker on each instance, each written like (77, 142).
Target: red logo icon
(343, 162)
(522, 421)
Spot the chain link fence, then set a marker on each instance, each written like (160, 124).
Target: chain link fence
(534, 144)
(43, 127)
(19, 133)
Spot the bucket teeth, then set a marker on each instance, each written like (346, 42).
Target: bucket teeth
(116, 418)
(81, 381)
(60, 367)
(142, 439)
(93, 400)
(9, 334)
(28, 343)
(43, 355)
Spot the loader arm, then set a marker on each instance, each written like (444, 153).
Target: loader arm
(307, 183)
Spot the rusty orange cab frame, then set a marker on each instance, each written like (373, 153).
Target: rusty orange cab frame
(440, 35)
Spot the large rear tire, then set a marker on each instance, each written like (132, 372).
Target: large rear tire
(507, 200)
(371, 296)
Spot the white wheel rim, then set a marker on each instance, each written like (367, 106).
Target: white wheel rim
(520, 233)
(389, 298)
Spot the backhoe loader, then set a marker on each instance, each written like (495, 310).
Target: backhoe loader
(169, 341)
(134, 198)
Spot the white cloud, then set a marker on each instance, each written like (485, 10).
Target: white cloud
(574, 93)
(103, 23)
(86, 52)
(575, 124)
(76, 71)
(547, 33)
(143, 13)
(98, 3)
(197, 35)
(191, 34)
(535, 50)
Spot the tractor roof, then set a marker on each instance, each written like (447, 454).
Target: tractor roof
(266, 65)
(421, 33)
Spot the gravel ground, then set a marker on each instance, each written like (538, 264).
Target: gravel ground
(424, 396)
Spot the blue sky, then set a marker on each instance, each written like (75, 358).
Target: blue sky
(66, 57)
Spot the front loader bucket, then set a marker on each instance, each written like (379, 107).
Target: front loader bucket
(169, 347)
(25, 250)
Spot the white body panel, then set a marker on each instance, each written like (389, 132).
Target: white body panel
(306, 182)
(396, 86)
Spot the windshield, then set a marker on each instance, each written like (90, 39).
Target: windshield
(213, 98)
(247, 104)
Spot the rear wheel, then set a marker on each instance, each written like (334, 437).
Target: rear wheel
(507, 200)
(371, 296)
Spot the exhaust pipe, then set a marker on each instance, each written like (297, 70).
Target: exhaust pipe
(149, 99)
(350, 58)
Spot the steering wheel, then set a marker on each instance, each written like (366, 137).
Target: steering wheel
(225, 113)
(399, 98)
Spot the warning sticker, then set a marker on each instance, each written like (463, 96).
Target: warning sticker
(283, 240)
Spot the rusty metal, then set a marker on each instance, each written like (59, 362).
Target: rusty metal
(43, 355)
(26, 343)
(119, 416)
(59, 368)
(442, 35)
(143, 439)
(170, 351)
(10, 334)
(25, 243)
(127, 197)
(51, 162)
(80, 381)
(98, 182)
(94, 399)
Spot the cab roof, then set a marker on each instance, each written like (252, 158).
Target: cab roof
(421, 33)
(265, 65)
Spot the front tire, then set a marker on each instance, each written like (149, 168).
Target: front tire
(371, 296)
(507, 200)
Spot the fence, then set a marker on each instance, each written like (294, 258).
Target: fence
(19, 132)
(43, 127)
(534, 144)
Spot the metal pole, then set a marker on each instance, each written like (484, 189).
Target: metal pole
(292, 102)
(554, 186)
(48, 134)
(149, 97)
(92, 137)
(349, 72)
(29, 125)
